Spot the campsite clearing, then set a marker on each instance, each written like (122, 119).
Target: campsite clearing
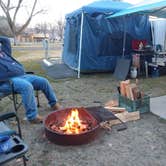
(143, 143)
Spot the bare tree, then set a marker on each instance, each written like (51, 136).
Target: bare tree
(52, 32)
(42, 28)
(11, 12)
(4, 27)
(60, 28)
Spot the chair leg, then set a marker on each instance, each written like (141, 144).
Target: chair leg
(17, 119)
(37, 97)
(25, 159)
(14, 101)
(18, 126)
(16, 106)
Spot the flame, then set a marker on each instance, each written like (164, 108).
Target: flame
(73, 124)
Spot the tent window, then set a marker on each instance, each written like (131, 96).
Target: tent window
(72, 41)
(72, 37)
(111, 44)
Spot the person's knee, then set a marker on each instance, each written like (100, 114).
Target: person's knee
(28, 88)
(44, 81)
(22, 86)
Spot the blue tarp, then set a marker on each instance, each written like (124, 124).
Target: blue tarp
(104, 6)
(151, 7)
(102, 38)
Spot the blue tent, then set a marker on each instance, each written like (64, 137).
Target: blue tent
(152, 7)
(92, 42)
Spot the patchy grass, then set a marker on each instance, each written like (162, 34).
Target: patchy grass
(154, 86)
(32, 60)
(146, 136)
(162, 120)
(36, 44)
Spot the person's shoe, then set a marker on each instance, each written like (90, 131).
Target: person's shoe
(37, 120)
(57, 106)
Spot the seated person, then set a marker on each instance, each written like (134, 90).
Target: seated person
(24, 84)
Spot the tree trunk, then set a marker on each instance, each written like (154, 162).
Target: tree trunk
(11, 13)
(15, 40)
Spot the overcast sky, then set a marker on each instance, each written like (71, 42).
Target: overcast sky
(57, 9)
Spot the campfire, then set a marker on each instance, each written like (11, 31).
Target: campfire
(73, 124)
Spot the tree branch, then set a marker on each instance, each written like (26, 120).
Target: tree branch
(17, 9)
(40, 11)
(11, 16)
(29, 19)
(6, 11)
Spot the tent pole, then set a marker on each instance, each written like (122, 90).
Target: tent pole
(152, 31)
(124, 37)
(80, 44)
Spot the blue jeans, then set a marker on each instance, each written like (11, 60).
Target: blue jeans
(25, 86)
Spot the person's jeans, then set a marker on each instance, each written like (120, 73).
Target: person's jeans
(25, 86)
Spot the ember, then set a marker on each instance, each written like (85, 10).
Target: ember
(73, 124)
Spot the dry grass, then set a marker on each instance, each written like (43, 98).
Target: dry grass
(32, 59)
(98, 86)
(146, 136)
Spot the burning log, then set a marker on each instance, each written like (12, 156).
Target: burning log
(72, 125)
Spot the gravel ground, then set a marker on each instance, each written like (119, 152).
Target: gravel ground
(143, 143)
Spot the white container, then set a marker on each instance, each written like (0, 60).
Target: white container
(133, 72)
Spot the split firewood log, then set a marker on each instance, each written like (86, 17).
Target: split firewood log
(115, 110)
(112, 103)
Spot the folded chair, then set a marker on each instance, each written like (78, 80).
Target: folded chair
(11, 144)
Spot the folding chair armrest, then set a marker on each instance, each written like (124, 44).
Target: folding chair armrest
(29, 72)
(3, 80)
(7, 116)
(8, 133)
(11, 84)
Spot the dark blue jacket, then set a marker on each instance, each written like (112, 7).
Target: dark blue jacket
(9, 67)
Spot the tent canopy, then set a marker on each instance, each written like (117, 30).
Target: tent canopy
(152, 7)
(106, 6)
(94, 43)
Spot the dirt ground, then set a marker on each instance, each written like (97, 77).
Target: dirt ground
(143, 143)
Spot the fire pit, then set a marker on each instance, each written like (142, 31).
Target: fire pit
(71, 126)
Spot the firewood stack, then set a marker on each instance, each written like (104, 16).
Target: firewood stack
(112, 105)
(119, 112)
(130, 90)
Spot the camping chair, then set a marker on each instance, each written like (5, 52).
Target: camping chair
(6, 47)
(13, 96)
(11, 144)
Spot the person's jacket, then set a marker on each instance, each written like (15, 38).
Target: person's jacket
(9, 67)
